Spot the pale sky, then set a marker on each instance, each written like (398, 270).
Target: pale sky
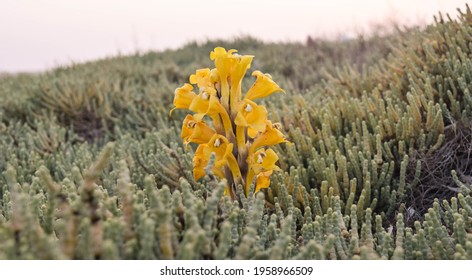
(36, 35)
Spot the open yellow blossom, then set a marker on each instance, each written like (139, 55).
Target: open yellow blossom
(207, 103)
(262, 87)
(262, 160)
(240, 67)
(252, 116)
(222, 149)
(270, 137)
(201, 102)
(196, 131)
(214, 76)
(201, 78)
(263, 180)
(200, 162)
(183, 97)
(224, 61)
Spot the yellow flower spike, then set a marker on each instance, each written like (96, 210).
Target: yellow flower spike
(183, 97)
(196, 131)
(238, 160)
(270, 137)
(239, 70)
(262, 87)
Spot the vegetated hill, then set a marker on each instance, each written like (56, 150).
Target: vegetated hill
(93, 166)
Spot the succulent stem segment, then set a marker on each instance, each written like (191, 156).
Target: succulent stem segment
(241, 132)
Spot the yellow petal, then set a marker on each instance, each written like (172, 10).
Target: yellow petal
(269, 161)
(262, 87)
(224, 62)
(263, 163)
(232, 163)
(202, 133)
(224, 117)
(218, 52)
(196, 131)
(239, 70)
(187, 126)
(219, 172)
(271, 136)
(214, 76)
(201, 78)
(263, 160)
(201, 102)
(198, 117)
(227, 190)
(251, 115)
(242, 63)
(214, 106)
(203, 153)
(222, 149)
(240, 120)
(193, 79)
(263, 180)
(200, 161)
(249, 180)
(218, 145)
(251, 132)
(183, 97)
(224, 159)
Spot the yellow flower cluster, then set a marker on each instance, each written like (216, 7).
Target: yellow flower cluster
(241, 132)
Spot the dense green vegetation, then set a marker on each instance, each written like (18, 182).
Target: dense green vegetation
(93, 166)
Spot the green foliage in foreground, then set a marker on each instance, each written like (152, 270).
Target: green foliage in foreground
(93, 166)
